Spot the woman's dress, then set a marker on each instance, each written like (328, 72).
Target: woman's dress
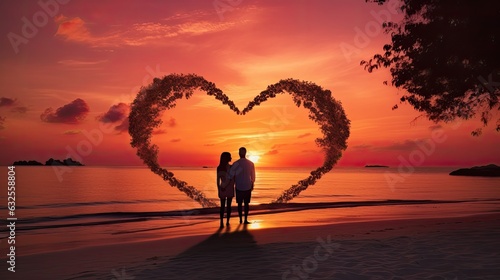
(226, 190)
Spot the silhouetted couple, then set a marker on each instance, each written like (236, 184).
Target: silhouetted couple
(241, 175)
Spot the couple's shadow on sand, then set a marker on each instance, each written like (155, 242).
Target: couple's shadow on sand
(226, 254)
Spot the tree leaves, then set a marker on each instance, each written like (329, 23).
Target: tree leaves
(441, 53)
(161, 95)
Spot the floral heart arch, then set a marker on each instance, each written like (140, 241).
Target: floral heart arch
(162, 93)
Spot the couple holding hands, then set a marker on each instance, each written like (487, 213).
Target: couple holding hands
(239, 176)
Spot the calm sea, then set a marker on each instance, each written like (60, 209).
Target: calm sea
(102, 205)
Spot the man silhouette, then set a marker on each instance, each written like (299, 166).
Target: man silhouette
(243, 172)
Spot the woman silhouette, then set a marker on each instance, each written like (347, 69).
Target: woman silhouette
(225, 185)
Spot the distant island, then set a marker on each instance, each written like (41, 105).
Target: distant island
(376, 166)
(490, 170)
(50, 162)
(29, 162)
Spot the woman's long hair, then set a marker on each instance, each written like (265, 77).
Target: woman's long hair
(225, 158)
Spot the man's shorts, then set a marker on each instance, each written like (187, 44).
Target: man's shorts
(243, 196)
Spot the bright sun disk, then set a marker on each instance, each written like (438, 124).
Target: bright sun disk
(254, 158)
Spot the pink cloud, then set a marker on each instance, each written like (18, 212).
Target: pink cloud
(117, 112)
(6, 102)
(123, 127)
(272, 152)
(13, 104)
(73, 112)
(143, 33)
(172, 122)
(159, 131)
(72, 29)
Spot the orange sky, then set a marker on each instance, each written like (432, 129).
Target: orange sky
(100, 53)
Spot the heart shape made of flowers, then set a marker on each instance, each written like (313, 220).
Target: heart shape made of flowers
(162, 93)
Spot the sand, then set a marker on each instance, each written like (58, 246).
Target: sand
(438, 248)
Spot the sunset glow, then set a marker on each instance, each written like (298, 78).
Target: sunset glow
(254, 158)
(67, 89)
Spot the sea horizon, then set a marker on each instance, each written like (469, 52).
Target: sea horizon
(311, 167)
(117, 204)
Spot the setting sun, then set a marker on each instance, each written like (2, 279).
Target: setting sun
(254, 158)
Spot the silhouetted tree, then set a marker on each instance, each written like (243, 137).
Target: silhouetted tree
(446, 55)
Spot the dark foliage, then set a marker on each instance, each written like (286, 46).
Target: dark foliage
(445, 55)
